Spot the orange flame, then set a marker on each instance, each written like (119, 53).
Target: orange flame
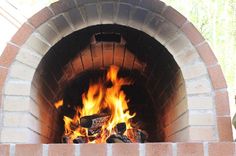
(97, 99)
(58, 104)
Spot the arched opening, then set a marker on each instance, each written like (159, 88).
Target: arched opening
(66, 70)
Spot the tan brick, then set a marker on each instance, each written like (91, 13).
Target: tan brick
(166, 31)
(21, 71)
(37, 44)
(137, 18)
(14, 119)
(49, 33)
(192, 71)
(62, 6)
(180, 123)
(188, 57)
(19, 135)
(17, 87)
(178, 45)
(221, 148)
(202, 133)
(180, 136)
(16, 103)
(4, 150)
(61, 25)
(29, 57)
(125, 149)
(60, 149)
(198, 86)
(28, 149)
(200, 102)
(76, 18)
(152, 149)
(107, 13)
(187, 149)
(201, 118)
(85, 149)
(174, 112)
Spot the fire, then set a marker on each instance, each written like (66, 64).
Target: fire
(107, 102)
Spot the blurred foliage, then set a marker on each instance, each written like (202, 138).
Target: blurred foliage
(216, 20)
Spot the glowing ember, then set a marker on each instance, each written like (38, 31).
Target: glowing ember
(104, 114)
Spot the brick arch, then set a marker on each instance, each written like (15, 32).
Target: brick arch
(204, 80)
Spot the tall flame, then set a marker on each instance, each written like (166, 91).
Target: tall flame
(98, 98)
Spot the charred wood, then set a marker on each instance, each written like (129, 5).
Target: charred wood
(94, 121)
(80, 140)
(118, 139)
(137, 135)
(120, 128)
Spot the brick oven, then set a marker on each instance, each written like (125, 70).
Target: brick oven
(179, 90)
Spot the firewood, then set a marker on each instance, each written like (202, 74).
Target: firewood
(120, 128)
(65, 139)
(118, 139)
(137, 135)
(94, 121)
(74, 125)
(80, 140)
(94, 131)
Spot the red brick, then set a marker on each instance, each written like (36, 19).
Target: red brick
(174, 16)
(62, 6)
(61, 149)
(22, 34)
(93, 149)
(87, 58)
(192, 33)
(222, 103)
(224, 128)
(28, 149)
(186, 149)
(40, 17)
(221, 149)
(8, 55)
(4, 150)
(217, 77)
(125, 149)
(128, 60)
(3, 75)
(77, 64)
(207, 54)
(154, 149)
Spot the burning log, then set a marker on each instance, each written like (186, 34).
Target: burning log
(80, 140)
(94, 121)
(65, 139)
(74, 126)
(120, 128)
(94, 131)
(137, 135)
(118, 139)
